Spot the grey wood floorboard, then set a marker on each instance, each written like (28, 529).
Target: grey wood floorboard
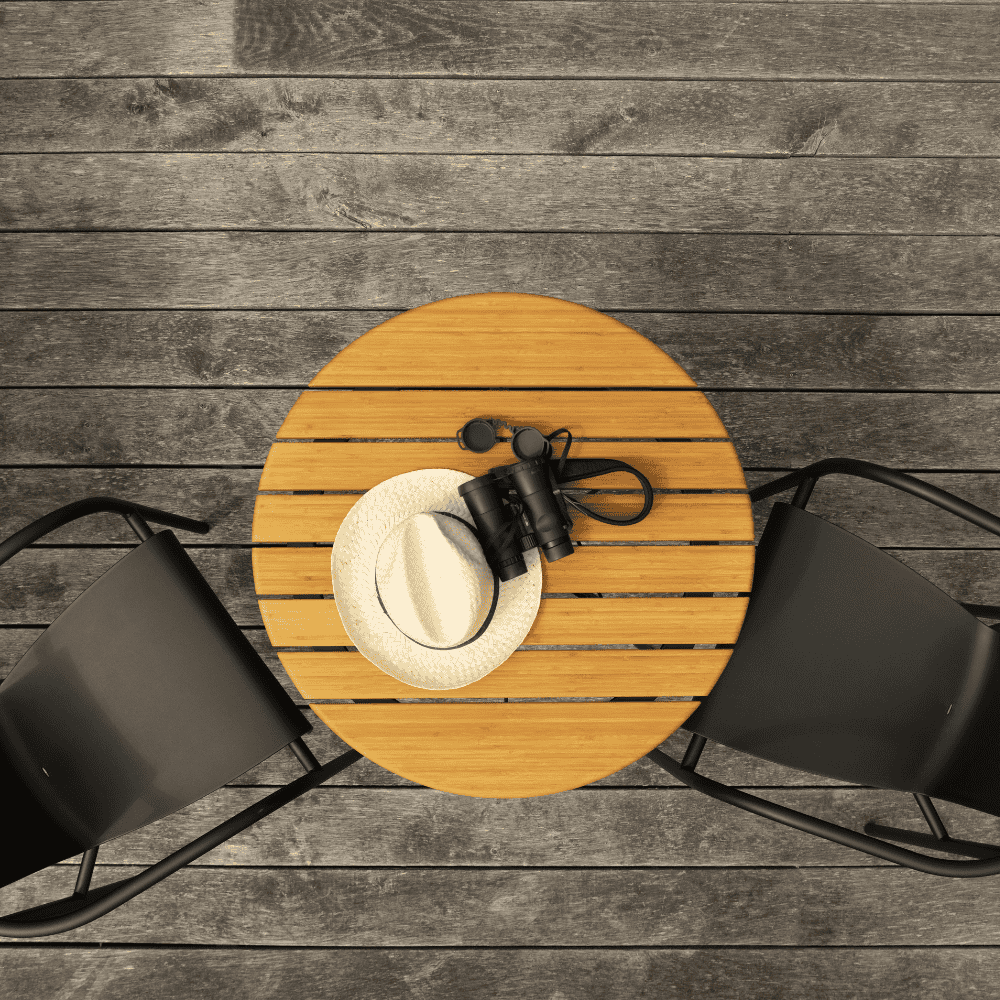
(794, 200)
(587, 828)
(703, 272)
(36, 587)
(234, 427)
(719, 351)
(118, 972)
(372, 115)
(225, 498)
(538, 907)
(531, 38)
(347, 192)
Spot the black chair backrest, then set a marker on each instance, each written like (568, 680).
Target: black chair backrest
(141, 697)
(853, 666)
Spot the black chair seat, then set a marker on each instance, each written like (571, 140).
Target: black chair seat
(142, 697)
(853, 666)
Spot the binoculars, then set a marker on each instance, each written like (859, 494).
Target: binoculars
(516, 507)
(527, 505)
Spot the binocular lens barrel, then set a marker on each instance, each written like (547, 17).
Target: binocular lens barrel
(534, 484)
(493, 521)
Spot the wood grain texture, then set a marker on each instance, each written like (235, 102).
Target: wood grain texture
(477, 38)
(37, 585)
(501, 338)
(116, 973)
(918, 274)
(512, 750)
(499, 193)
(611, 569)
(730, 351)
(596, 414)
(655, 117)
(694, 517)
(584, 622)
(694, 465)
(225, 498)
(779, 430)
(600, 827)
(820, 908)
(640, 673)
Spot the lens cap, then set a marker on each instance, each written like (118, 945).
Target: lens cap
(530, 443)
(478, 435)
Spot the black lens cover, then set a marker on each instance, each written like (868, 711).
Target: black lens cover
(478, 435)
(530, 443)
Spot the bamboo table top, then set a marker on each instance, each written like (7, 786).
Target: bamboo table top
(411, 383)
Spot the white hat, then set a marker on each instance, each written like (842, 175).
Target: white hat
(414, 590)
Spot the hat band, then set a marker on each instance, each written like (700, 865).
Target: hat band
(489, 614)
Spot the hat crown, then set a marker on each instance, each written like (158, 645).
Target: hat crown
(433, 580)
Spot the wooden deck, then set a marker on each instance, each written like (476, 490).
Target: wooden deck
(202, 203)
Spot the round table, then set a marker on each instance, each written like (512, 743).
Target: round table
(544, 362)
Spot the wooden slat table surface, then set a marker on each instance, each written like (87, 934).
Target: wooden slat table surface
(508, 749)
(203, 205)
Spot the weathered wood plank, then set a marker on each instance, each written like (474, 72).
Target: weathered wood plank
(140, 426)
(664, 117)
(531, 39)
(585, 828)
(226, 498)
(442, 907)
(121, 973)
(918, 274)
(771, 430)
(793, 429)
(204, 191)
(731, 351)
(591, 621)
(607, 568)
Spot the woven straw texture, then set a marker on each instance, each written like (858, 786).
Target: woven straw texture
(353, 563)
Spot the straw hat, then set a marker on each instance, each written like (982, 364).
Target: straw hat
(414, 590)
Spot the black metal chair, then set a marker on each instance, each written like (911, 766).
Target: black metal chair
(853, 666)
(142, 697)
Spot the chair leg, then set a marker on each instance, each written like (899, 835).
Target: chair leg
(86, 872)
(693, 753)
(305, 756)
(937, 840)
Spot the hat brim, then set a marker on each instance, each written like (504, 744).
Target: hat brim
(353, 569)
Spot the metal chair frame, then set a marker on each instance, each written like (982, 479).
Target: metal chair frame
(987, 855)
(86, 903)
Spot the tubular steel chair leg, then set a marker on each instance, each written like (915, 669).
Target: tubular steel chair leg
(86, 872)
(305, 756)
(987, 857)
(937, 840)
(693, 753)
(74, 911)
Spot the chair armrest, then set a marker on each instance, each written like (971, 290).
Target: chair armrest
(95, 505)
(807, 477)
(820, 828)
(68, 914)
